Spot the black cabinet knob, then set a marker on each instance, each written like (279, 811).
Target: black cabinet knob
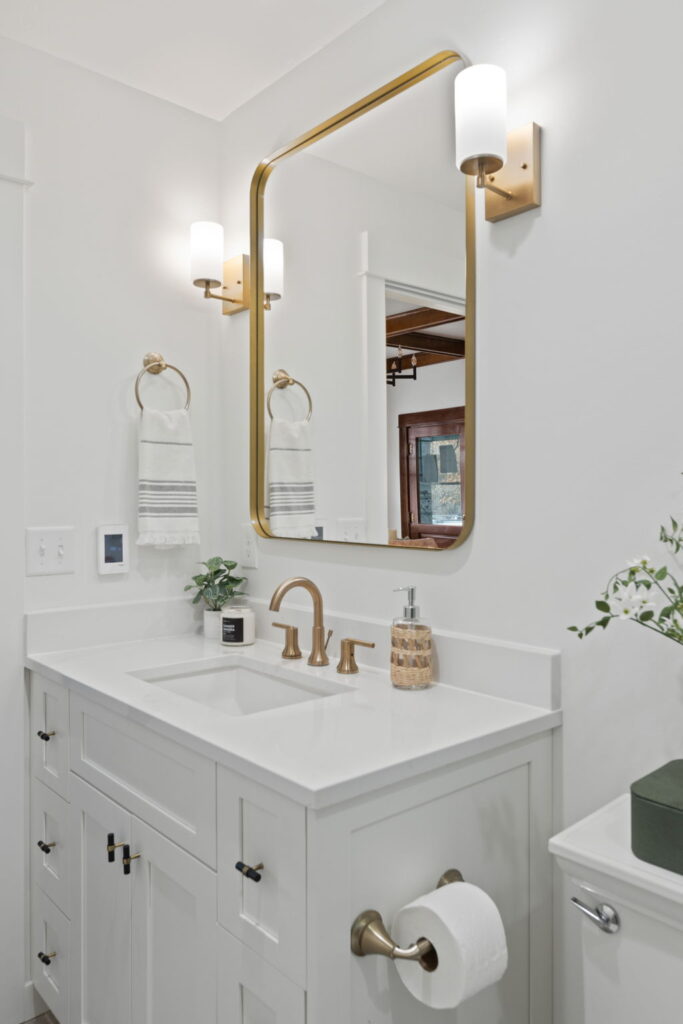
(45, 736)
(112, 847)
(45, 847)
(248, 871)
(46, 958)
(127, 858)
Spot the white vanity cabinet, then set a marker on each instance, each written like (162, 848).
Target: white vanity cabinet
(182, 937)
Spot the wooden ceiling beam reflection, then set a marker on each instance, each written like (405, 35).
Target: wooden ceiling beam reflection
(453, 347)
(423, 359)
(417, 319)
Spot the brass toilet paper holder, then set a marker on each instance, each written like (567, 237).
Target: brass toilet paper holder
(369, 936)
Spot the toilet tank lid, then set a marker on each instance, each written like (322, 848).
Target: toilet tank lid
(663, 786)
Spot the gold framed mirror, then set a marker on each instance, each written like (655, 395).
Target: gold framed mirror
(378, 295)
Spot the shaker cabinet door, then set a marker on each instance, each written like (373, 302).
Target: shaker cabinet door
(258, 826)
(252, 991)
(50, 733)
(174, 924)
(101, 910)
(50, 953)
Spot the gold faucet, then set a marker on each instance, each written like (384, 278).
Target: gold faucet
(318, 642)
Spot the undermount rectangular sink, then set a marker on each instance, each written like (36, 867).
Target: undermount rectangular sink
(236, 689)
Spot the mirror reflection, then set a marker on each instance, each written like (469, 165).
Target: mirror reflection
(364, 359)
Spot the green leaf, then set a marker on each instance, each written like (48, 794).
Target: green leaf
(662, 573)
(646, 616)
(602, 606)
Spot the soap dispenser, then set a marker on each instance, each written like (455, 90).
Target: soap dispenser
(411, 647)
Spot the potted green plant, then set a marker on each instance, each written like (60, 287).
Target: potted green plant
(215, 588)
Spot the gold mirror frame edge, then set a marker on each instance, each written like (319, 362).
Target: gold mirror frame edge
(257, 382)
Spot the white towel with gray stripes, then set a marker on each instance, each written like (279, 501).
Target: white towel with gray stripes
(290, 494)
(167, 489)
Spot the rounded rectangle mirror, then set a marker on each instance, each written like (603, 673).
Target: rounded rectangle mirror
(362, 325)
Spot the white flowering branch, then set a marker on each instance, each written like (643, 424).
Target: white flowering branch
(649, 596)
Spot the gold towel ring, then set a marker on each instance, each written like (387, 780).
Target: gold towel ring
(281, 379)
(155, 363)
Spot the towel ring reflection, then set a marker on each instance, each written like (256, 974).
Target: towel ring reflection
(155, 363)
(281, 379)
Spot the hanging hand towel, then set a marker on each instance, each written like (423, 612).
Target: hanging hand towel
(167, 496)
(290, 495)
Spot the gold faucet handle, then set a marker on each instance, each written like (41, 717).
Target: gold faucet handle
(347, 662)
(291, 648)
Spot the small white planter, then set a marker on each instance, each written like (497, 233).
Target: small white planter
(212, 625)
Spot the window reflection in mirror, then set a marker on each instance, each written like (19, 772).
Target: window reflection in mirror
(372, 324)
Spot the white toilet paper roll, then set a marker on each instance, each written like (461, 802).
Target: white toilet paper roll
(463, 924)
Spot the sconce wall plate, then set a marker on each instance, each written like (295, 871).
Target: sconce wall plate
(521, 175)
(236, 284)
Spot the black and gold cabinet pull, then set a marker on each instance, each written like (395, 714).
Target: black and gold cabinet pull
(45, 736)
(245, 869)
(112, 847)
(127, 858)
(45, 847)
(46, 958)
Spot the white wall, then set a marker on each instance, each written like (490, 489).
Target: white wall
(119, 176)
(12, 795)
(579, 357)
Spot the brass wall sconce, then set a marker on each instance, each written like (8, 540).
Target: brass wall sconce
(506, 165)
(210, 271)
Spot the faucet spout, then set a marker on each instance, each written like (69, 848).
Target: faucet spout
(318, 654)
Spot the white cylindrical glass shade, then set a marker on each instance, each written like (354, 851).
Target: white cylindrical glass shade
(273, 267)
(206, 253)
(480, 118)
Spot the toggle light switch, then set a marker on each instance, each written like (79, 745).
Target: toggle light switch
(50, 550)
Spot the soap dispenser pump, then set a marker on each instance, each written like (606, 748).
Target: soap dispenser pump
(411, 647)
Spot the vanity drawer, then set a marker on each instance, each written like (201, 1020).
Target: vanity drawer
(171, 788)
(251, 991)
(49, 826)
(256, 826)
(50, 733)
(50, 935)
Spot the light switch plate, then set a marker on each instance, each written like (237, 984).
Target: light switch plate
(249, 549)
(50, 550)
(352, 530)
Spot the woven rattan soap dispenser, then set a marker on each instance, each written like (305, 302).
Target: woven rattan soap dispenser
(411, 648)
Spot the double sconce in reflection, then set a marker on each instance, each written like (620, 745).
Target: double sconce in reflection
(209, 271)
(506, 165)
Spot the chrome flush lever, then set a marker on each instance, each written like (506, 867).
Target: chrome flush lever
(604, 916)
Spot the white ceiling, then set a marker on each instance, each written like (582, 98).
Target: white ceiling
(210, 57)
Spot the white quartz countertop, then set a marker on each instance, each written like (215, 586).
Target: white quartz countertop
(318, 752)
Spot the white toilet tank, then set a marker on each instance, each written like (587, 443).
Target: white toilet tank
(633, 973)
